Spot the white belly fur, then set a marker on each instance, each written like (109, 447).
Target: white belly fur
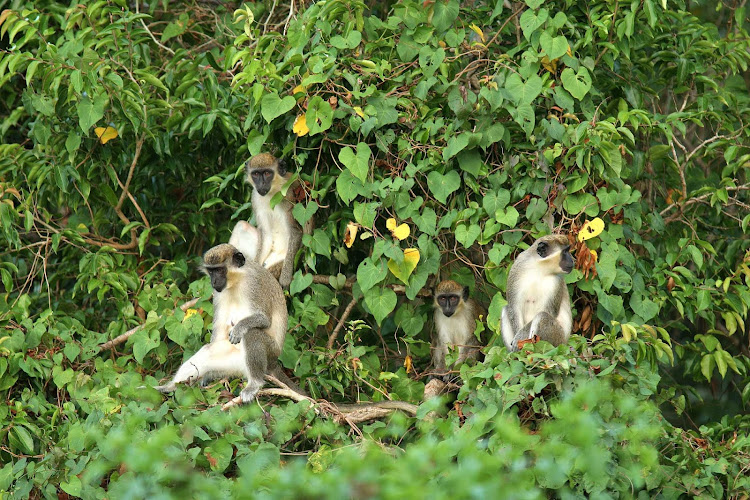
(449, 328)
(531, 301)
(274, 228)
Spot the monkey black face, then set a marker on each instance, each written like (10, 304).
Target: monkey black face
(262, 180)
(448, 303)
(566, 260)
(218, 277)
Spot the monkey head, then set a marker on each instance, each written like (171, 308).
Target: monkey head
(266, 173)
(219, 262)
(553, 254)
(450, 296)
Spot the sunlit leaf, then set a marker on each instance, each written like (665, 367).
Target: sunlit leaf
(105, 134)
(300, 125)
(398, 232)
(591, 229)
(351, 234)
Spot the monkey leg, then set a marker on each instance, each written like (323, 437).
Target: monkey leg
(246, 239)
(217, 359)
(257, 320)
(545, 326)
(261, 356)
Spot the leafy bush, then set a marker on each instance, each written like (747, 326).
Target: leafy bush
(125, 129)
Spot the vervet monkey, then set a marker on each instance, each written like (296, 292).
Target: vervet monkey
(455, 322)
(538, 299)
(250, 323)
(278, 236)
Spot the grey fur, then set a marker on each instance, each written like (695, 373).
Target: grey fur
(250, 311)
(457, 329)
(538, 298)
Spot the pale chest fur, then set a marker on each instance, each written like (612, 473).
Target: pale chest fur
(450, 330)
(535, 296)
(274, 228)
(229, 309)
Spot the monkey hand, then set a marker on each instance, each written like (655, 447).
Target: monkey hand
(166, 388)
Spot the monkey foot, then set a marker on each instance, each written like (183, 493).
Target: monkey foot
(166, 388)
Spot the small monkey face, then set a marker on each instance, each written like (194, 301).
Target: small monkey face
(218, 277)
(448, 303)
(559, 254)
(262, 179)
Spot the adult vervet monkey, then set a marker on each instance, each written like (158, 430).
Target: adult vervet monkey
(279, 236)
(455, 322)
(538, 299)
(250, 323)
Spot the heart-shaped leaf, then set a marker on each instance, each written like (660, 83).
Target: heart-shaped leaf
(398, 232)
(358, 164)
(370, 273)
(554, 47)
(578, 84)
(523, 92)
(443, 185)
(530, 21)
(591, 229)
(272, 106)
(381, 302)
(403, 270)
(467, 234)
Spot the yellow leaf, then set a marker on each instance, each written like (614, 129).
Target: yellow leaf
(398, 232)
(351, 234)
(408, 365)
(359, 112)
(105, 134)
(478, 31)
(403, 271)
(594, 254)
(570, 53)
(365, 235)
(591, 229)
(550, 66)
(189, 313)
(299, 89)
(300, 125)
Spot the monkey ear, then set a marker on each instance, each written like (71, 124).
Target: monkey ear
(238, 259)
(282, 167)
(466, 293)
(541, 249)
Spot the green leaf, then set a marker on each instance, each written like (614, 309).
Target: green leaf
(441, 186)
(554, 47)
(467, 234)
(303, 213)
(359, 163)
(72, 486)
(272, 106)
(371, 273)
(523, 92)
(530, 21)
(20, 440)
(455, 145)
(90, 112)
(319, 242)
(507, 216)
(444, 14)
(348, 187)
(707, 366)
(319, 115)
(578, 84)
(299, 283)
(381, 302)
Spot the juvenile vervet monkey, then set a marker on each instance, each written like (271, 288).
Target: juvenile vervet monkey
(538, 299)
(250, 322)
(455, 315)
(278, 236)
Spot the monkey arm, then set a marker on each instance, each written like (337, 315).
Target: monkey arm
(510, 327)
(255, 321)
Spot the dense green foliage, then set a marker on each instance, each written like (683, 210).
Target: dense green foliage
(480, 127)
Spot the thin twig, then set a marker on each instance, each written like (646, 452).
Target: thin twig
(125, 336)
(344, 317)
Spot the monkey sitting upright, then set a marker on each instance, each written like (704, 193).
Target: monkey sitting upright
(455, 322)
(279, 236)
(538, 299)
(250, 323)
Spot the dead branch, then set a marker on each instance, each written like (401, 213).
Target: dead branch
(125, 336)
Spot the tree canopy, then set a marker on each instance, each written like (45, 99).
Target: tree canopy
(433, 140)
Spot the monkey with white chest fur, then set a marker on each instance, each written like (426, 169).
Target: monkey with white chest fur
(274, 244)
(538, 299)
(455, 322)
(250, 323)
